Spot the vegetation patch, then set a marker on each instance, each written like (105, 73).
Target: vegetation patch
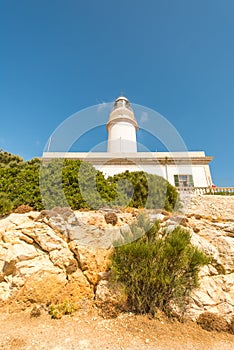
(73, 183)
(5, 204)
(155, 271)
(58, 310)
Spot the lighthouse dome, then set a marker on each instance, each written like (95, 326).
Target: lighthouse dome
(122, 111)
(122, 101)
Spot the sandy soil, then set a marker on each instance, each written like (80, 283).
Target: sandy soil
(88, 331)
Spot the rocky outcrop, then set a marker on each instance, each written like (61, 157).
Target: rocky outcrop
(55, 255)
(51, 256)
(210, 220)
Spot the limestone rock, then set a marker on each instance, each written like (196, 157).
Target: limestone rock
(157, 216)
(20, 252)
(2, 263)
(109, 300)
(103, 291)
(215, 294)
(91, 260)
(64, 259)
(14, 221)
(78, 287)
(5, 291)
(16, 253)
(212, 205)
(22, 209)
(45, 237)
(229, 229)
(24, 269)
(62, 220)
(43, 287)
(206, 247)
(47, 287)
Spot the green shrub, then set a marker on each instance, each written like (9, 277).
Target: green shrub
(5, 204)
(157, 272)
(145, 190)
(21, 183)
(8, 159)
(58, 310)
(75, 183)
(220, 193)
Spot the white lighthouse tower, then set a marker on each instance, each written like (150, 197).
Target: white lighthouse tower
(121, 128)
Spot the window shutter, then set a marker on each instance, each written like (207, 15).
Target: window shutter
(176, 180)
(191, 183)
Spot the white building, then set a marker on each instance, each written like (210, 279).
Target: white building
(181, 169)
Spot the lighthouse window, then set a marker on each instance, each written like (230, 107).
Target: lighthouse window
(121, 103)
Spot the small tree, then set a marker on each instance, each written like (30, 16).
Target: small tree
(157, 272)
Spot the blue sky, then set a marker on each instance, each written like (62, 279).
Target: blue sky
(173, 56)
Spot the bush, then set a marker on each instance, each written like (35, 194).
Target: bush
(213, 322)
(5, 204)
(139, 189)
(157, 272)
(21, 183)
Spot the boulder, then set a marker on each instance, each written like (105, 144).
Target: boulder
(43, 287)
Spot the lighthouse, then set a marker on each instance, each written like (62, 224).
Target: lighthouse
(184, 170)
(122, 127)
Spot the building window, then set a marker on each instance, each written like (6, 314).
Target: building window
(183, 180)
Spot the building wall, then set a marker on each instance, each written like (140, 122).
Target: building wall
(199, 172)
(110, 170)
(115, 163)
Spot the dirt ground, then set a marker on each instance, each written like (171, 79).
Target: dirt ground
(88, 331)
